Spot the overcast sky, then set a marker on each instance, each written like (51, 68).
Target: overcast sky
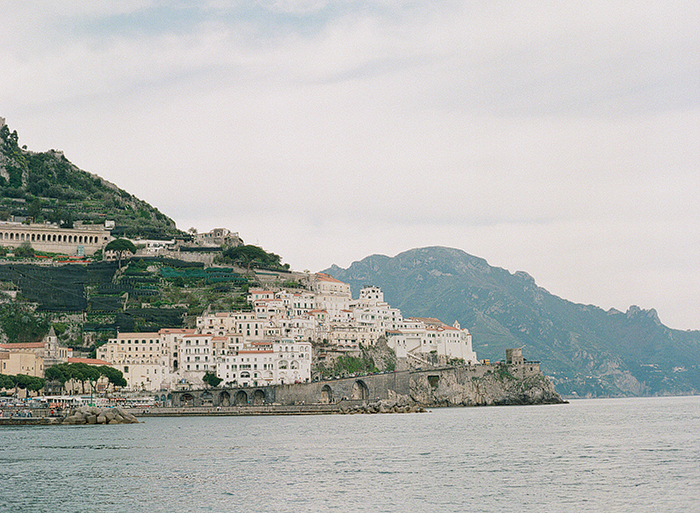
(558, 138)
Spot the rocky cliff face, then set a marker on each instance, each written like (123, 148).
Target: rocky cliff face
(489, 390)
(456, 388)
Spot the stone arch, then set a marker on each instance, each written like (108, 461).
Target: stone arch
(241, 398)
(207, 398)
(360, 390)
(326, 394)
(187, 400)
(259, 397)
(294, 364)
(224, 399)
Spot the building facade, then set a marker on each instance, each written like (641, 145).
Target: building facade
(81, 240)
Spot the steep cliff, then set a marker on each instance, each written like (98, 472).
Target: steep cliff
(494, 388)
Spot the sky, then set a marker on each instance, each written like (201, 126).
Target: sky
(557, 138)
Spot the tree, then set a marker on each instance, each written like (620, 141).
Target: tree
(57, 373)
(31, 383)
(83, 372)
(114, 376)
(25, 251)
(120, 248)
(6, 382)
(250, 256)
(66, 220)
(34, 209)
(21, 324)
(212, 379)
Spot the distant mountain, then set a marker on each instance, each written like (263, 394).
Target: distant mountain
(47, 187)
(588, 351)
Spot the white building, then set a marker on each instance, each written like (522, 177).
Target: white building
(420, 337)
(143, 359)
(81, 240)
(270, 362)
(332, 295)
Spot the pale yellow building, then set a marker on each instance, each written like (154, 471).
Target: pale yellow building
(21, 362)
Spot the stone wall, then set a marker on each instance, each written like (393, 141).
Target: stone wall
(449, 386)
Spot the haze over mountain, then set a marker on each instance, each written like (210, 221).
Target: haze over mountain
(587, 351)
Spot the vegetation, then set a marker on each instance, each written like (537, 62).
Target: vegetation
(252, 257)
(212, 379)
(24, 251)
(347, 365)
(21, 324)
(47, 187)
(83, 373)
(121, 247)
(21, 381)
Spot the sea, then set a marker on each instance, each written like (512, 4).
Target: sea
(608, 455)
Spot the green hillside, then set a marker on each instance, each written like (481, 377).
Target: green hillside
(47, 187)
(88, 303)
(588, 351)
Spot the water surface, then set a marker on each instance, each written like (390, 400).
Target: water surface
(591, 455)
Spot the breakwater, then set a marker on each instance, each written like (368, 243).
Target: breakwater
(340, 408)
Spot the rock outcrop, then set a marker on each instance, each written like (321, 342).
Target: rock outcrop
(94, 415)
(398, 405)
(493, 388)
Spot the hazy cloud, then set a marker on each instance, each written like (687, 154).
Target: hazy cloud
(556, 138)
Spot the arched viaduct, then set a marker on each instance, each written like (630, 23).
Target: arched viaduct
(363, 388)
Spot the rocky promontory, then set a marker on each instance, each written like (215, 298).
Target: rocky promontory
(492, 388)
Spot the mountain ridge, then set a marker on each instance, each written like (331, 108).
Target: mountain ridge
(588, 351)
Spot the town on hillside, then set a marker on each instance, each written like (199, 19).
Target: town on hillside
(272, 344)
(284, 336)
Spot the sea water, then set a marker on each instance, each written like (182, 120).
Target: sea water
(591, 455)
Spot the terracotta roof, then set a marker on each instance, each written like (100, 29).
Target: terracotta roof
(89, 361)
(328, 277)
(429, 320)
(23, 345)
